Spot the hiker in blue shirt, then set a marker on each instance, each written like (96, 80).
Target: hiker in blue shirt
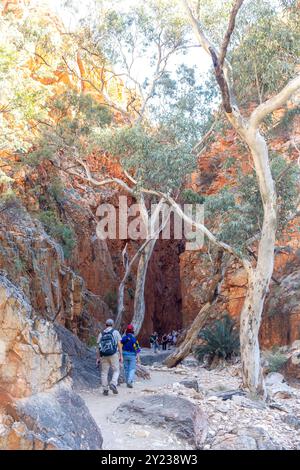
(131, 350)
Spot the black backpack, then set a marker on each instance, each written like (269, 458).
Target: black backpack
(108, 345)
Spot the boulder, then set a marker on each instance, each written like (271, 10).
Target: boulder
(15, 435)
(83, 359)
(281, 317)
(291, 369)
(148, 358)
(178, 415)
(190, 361)
(292, 421)
(274, 378)
(191, 383)
(277, 387)
(295, 345)
(246, 402)
(60, 418)
(282, 391)
(38, 408)
(246, 438)
(31, 356)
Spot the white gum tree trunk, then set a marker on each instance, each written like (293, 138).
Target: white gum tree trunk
(153, 233)
(139, 297)
(144, 254)
(259, 276)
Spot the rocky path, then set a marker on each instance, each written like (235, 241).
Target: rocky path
(131, 436)
(235, 423)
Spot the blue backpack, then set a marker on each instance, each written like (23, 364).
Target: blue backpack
(130, 344)
(108, 345)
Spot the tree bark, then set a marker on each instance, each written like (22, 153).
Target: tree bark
(259, 278)
(186, 346)
(145, 253)
(139, 297)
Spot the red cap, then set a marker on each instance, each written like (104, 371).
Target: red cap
(130, 329)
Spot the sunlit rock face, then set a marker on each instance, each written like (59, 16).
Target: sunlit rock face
(70, 291)
(32, 359)
(38, 408)
(281, 323)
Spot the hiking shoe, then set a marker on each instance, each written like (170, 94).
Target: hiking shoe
(129, 385)
(113, 388)
(105, 392)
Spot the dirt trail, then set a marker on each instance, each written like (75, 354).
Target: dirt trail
(131, 436)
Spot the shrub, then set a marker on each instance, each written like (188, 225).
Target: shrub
(221, 340)
(92, 342)
(191, 197)
(58, 230)
(8, 199)
(275, 360)
(56, 190)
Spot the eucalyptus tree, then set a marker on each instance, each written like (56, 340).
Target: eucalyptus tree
(249, 130)
(165, 113)
(156, 159)
(22, 98)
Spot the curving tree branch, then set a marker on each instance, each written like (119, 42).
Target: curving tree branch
(274, 103)
(229, 31)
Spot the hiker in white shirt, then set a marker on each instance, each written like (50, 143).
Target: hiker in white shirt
(109, 353)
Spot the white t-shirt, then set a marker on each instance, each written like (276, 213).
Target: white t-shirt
(116, 335)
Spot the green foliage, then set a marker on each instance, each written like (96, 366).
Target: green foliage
(56, 190)
(92, 342)
(229, 163)
(161, 155)
(157, 149)
(59, 231)
(136, 33)
(5, 181)
(264, 46)
(191, 197)
(8, 199)
(265, 59)
(78, 118)
(238, 212)
(286, 121)
(221, 340)
(286, 176)
(22, 98)
(182, 106)
(275, 360)
(155, 162)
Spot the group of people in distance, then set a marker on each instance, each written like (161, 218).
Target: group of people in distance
(166, 342)
(114, 350)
